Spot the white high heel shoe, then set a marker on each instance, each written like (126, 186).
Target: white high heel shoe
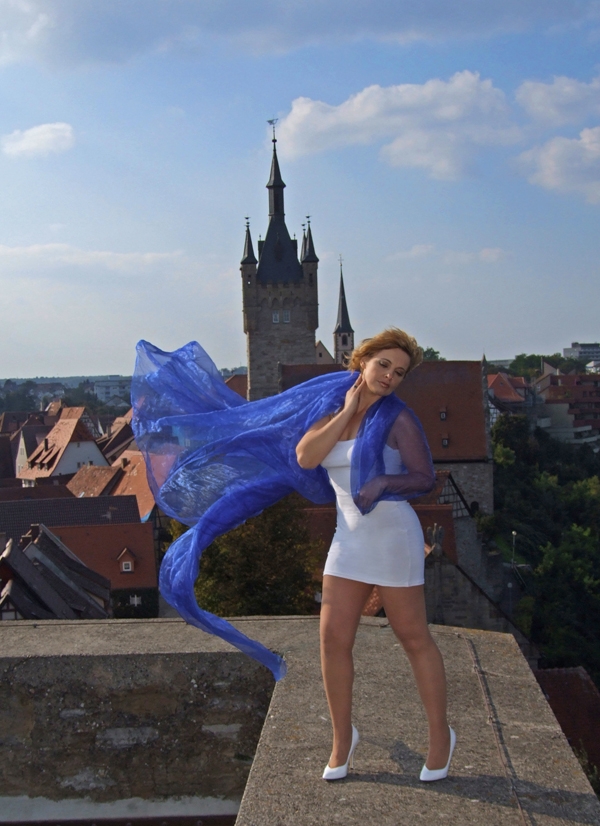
(427, 775)
(340, 772)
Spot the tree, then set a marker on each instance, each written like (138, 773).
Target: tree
(429, 354)
(18, 396)
(266, 566)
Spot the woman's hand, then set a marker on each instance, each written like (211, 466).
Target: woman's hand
(353, 397)
(369, 493)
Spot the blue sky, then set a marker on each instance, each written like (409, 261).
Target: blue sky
(449, 152)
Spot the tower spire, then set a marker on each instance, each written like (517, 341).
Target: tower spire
(343, 335)
(275, 184)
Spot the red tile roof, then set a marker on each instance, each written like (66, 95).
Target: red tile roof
(575, 701)
(134, 481)
(100, 546)
(92, 480)
(448, 397)
(239, 384)
(293, 374)
(38, 492)
(503, 388)
(44, 460)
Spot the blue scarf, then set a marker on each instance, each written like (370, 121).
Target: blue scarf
(214, 460)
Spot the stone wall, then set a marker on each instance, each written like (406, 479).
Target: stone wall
(475, 480)
(453, 598)
(138, 727)
(268, 343)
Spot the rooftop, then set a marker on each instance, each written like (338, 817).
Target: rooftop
(512, 763)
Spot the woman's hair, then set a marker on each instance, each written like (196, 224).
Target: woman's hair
(387, 340)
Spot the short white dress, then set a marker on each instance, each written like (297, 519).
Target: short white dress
(383, 547)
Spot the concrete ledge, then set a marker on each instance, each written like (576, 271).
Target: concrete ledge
(511, 751)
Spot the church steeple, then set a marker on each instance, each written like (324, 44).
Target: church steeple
(280, 296)
(343, 335)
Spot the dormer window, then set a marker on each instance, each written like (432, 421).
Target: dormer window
(126, 567)
(443, 414)
(445, 441)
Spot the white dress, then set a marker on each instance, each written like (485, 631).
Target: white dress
(383, 547)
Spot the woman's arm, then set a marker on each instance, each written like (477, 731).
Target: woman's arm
(316, 443)
(419, 477)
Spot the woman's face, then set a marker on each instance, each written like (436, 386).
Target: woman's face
(383, 372)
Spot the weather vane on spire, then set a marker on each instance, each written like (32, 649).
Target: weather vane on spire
(272, 123)
(341, 260)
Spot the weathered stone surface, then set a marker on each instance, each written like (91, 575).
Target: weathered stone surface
(143, 725)
(81, 702)
(530, 755)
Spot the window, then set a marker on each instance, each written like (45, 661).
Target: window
(286, 316)
(275, 317)
(445, 441)
(135, 600)
(344, 341)
(443, 415)
(126, 567)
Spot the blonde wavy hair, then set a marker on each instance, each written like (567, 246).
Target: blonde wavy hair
(389, 339)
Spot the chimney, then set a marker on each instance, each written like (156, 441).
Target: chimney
(124, 462)
(46, 444)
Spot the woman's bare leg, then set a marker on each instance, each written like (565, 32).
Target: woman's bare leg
(405, 610)
(341, 607)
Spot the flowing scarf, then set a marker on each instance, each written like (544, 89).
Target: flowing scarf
(214, 460)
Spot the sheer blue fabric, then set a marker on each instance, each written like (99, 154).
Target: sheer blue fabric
(214, 460)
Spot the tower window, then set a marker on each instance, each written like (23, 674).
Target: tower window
(344, 341)
(286, 316)
(275, 316)
(310, 279)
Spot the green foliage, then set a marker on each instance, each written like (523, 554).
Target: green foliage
(503, 455)
(429, 354)
(593, 775)
(266, 566)
(549, 493)
(15, 396)
(531, 365)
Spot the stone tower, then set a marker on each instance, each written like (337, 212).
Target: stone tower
(343, 335)
(280, 299)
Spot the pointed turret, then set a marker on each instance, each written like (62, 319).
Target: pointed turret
(248, 257)
(275, 186)
(309, 255)
(343, 335)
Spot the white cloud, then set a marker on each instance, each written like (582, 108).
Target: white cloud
(38, 259)
(416, 251)
(487, 255)
(83, 31)
(567, 165)
(436, 125)
(39, 140)
(565, 100)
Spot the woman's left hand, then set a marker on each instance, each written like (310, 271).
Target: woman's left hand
(369, 493)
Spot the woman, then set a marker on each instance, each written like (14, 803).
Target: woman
(377, 545)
